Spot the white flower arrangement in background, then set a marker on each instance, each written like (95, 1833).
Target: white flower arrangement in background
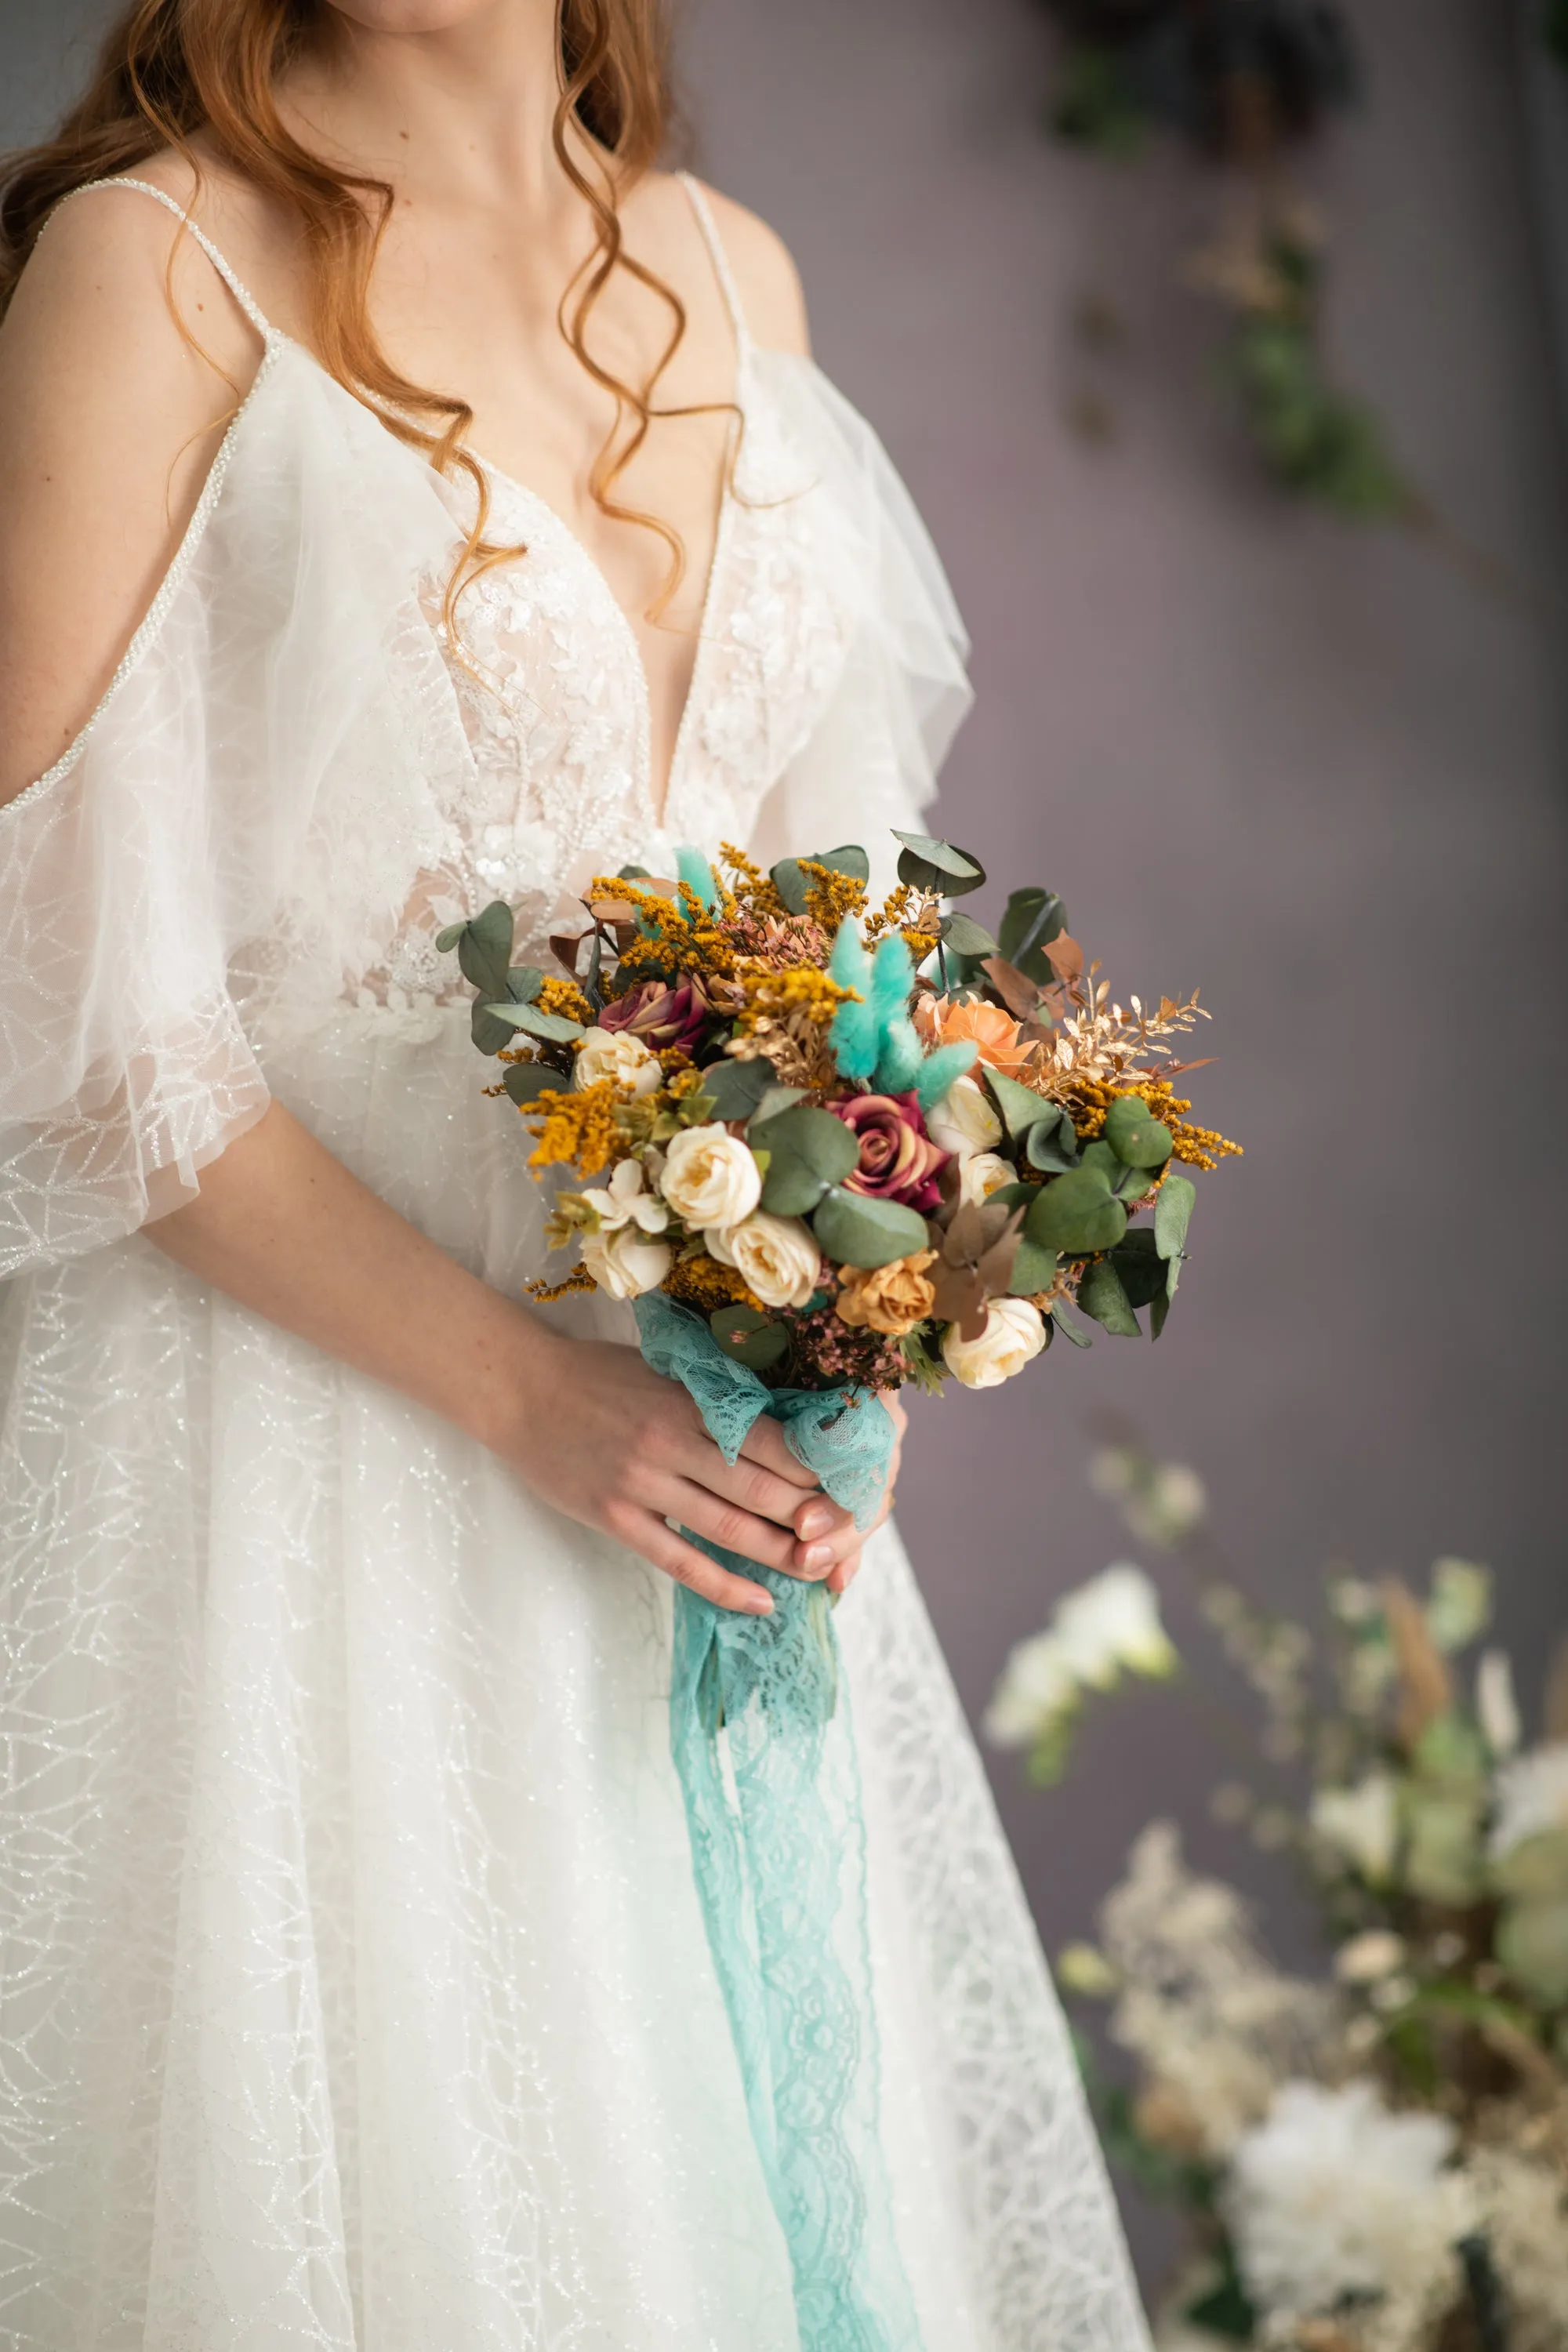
(1376, 2160)
(1107, 1627)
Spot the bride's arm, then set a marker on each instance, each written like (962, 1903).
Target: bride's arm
(282, 1226)
(109, 421)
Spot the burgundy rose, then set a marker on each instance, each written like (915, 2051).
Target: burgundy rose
(899, 1162)
(661, 1015)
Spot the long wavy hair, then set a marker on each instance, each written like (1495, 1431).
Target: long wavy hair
(172, 72)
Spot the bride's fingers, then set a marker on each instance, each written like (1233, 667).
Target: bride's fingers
(847, 1570)
(642, 1532)
(766, 1443)
(745, 1481)
(727, 1524)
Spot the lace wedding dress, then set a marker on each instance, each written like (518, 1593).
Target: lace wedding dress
(355, 1994)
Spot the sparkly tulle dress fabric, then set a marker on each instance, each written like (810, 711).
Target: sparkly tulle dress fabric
(355, 1992)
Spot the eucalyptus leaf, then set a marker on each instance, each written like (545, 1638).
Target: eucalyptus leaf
(484, 949)
(1160, 1310)
(1032, 919)
(523, 982)
(748, 1338)
(488, 1033)
(1100, 1294)
(555, 1028)
(790, 884)
(1051, 1144)
(1077, 1215)
(955, 870)
(808, 1150)
(1020, 1106)
(735, 1090)
(446, 940)
(963, 936)
(856, 1230)
(779, 1098)
(847, 858)
(1034, 1268)
(524, 1081)
(1173, 1212)
(1068, 1328)
(1143, 1271)
(1135, 1135)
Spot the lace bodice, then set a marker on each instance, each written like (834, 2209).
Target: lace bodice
(550, 681)
(295, 780)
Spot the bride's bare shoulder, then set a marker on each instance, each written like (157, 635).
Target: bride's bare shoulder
(765, 274)
(121, 356)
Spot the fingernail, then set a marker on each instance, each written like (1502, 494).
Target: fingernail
(818, 1556)
(762, 1606)
(815, 1522)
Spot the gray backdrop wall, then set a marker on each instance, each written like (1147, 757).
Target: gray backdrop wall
(1318, 769)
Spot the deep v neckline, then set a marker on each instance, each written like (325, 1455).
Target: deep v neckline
(658, 805)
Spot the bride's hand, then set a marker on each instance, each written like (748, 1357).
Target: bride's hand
(615, 1445)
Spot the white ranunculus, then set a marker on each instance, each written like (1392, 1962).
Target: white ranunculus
(624, 1262)
(1497, 1708)
(1332, 2195)
(1014, 1334)
(1112, 1623)
(1035, 1687)
(623, 1201)
(1361, 1824)
(710, 1177)
(964, 1122)
(983, 1173)
(1531, 1796)
(777, 1257)
(615, 1054)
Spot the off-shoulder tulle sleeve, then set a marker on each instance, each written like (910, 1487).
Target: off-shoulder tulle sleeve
(871, 761)
(274, 720)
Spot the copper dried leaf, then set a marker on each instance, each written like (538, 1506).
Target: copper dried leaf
(564, 948)
(1065, 956)
(1018, 992)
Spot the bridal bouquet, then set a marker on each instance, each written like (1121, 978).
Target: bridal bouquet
(868, 1146)
(827, 1149)
(1373, 2158)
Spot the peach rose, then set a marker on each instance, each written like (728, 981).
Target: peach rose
(992, 1032)
(887, 1298)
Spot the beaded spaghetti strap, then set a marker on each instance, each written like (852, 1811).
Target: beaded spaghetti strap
(697, 197)
(242, 294)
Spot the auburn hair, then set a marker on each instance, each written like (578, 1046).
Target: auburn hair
(170, 71)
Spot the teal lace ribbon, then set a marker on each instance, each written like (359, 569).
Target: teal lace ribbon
(761, 1734)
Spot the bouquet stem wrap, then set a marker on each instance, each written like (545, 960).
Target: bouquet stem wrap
(761, 1739)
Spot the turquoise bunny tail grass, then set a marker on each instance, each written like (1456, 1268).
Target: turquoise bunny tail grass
(899, 1051)
(854, 1035)
(939, 1070)
(762, 1741)
(692, 868)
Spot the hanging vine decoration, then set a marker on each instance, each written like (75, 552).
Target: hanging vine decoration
(1245, 82)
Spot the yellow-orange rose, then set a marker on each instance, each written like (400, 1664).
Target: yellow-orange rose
(888, 1298)
(994, 1033)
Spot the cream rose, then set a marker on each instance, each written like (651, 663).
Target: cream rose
(615, 1054)
(983, 1173)
(710, 1177)
(1014, 1334)
(964, 1122)
(624, 1262)
(777, 1257)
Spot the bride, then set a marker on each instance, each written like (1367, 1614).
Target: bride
(410, 496)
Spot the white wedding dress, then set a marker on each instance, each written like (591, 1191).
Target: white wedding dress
(355, 1993)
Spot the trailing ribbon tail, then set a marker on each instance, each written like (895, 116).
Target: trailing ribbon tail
(778, 1847)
